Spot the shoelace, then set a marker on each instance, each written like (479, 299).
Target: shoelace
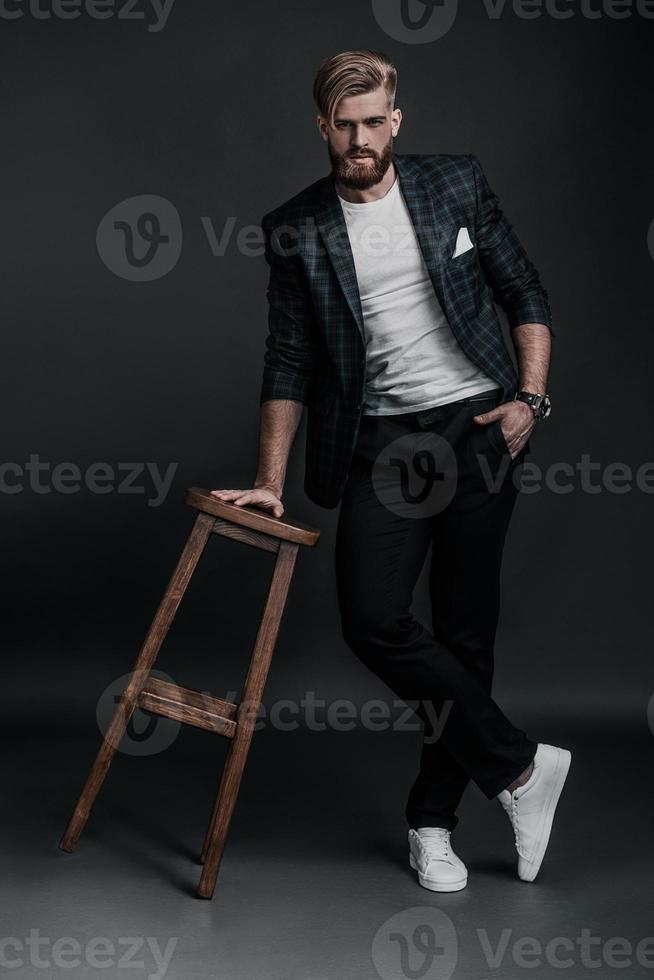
(438, 838)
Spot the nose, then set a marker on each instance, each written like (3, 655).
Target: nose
(358, 138)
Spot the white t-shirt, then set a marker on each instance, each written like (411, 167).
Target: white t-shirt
(413, 360)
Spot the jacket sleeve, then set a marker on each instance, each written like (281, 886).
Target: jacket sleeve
(290, 355)
(512, 277)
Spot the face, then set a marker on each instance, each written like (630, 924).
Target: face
(360, 143)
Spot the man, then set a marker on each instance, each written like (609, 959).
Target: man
(384, 277)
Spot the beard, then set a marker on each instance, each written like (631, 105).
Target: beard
(361, 176)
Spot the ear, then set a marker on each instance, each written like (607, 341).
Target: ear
(396, 121)
(321, 123)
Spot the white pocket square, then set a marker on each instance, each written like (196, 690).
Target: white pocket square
(463, 243)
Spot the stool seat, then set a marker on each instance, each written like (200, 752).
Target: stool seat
(252, 517)
(257, 528)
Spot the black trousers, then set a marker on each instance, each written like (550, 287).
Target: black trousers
(433, 477)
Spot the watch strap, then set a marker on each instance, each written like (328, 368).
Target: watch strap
(537, 401)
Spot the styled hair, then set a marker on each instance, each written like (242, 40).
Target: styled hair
(352, 73)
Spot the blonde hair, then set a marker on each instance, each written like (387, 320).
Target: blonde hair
(352, 73)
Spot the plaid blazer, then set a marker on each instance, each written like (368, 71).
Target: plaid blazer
(315, 348)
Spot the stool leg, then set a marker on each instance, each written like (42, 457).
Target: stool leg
(172, 597)
(247, 716)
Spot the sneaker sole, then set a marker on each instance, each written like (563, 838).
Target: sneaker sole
(435, 886)
(560, 776)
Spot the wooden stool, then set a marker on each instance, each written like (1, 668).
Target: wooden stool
(254, 527)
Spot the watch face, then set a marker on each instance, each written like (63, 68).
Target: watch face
(540, 404)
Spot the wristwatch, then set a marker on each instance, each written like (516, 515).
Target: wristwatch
(540, 405)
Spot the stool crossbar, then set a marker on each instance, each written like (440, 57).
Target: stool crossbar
(236, 721)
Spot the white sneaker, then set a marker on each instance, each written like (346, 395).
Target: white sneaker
(431, 855)
(530, 808)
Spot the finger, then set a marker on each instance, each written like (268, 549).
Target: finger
(516, 447)
(275, 509)
(274, 506)
(229, 496)
(486, 417)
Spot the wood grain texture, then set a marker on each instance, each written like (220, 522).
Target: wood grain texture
(190, 707)
(252, 517)
(238, 533)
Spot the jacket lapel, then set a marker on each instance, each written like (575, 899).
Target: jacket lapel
(333, 231)
(428, 229)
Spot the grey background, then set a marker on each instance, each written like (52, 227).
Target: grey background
(214, 113)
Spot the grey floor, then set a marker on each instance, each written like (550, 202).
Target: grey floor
(314, 883)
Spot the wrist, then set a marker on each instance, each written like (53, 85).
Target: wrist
(538, 402)
(268, 485)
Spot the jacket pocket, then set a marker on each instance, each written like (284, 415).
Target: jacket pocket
(464, 260)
